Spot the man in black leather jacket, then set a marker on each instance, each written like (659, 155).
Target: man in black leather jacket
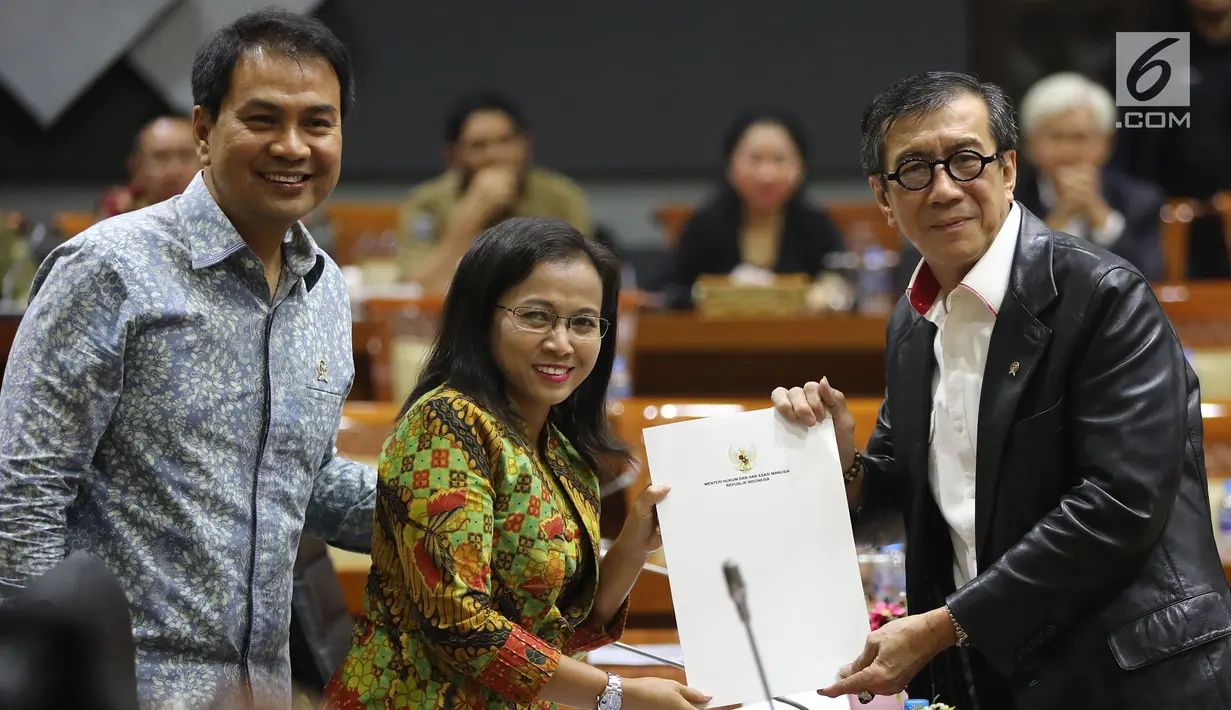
(1041, 434)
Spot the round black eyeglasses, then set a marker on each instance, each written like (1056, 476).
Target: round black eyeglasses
(962, 166)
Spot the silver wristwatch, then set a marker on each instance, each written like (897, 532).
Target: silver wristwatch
(612, 697)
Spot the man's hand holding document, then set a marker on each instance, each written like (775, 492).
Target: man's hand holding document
(764, 495)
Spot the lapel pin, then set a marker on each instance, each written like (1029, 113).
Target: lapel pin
(1013, 368)
(322, 371)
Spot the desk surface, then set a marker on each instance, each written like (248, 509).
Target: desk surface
(692, 333)
(686, 354)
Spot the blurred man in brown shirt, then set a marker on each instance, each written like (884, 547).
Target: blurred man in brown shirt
(164, 160)
(490, 177)
(17, 265)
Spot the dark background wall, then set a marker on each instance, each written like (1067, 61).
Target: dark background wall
(635, 90)
(90, 141)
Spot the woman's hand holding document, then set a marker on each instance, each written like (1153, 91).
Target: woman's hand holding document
(766, 494)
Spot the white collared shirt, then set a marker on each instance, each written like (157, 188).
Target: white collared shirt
(964, 319)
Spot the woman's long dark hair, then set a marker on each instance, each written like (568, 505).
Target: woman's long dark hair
(461, 355)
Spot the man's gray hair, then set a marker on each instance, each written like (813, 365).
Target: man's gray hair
(1062, 92)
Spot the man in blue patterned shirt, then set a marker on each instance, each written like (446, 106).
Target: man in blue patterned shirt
(175, 389)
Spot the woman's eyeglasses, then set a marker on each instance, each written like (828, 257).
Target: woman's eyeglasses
(541, 320)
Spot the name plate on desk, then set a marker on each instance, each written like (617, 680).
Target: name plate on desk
(722, 297)
(766, 494)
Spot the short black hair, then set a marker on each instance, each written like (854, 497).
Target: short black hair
(461, 355)
(274, 29)
(469, 104)
(749, 118)
(925, 93)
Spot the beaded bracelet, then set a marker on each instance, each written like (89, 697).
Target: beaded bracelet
(856, 468)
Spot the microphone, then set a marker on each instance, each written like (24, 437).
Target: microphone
(735, 587)
(739, 595)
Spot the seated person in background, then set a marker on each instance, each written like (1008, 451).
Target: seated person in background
(758, 221)
(489, 179)
(17, 265)
(487, 584)
(1068, 123)
(164, 160)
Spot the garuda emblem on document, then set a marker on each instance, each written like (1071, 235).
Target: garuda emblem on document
(743, 457)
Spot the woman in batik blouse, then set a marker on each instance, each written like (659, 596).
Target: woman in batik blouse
(486, 582)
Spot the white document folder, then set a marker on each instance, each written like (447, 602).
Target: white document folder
(766, 494)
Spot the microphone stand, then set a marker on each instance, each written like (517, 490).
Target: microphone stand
(733, 575)
(735, 586)
(647, 654)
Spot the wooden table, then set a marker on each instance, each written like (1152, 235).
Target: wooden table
(688, 355)
(1200, 312)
